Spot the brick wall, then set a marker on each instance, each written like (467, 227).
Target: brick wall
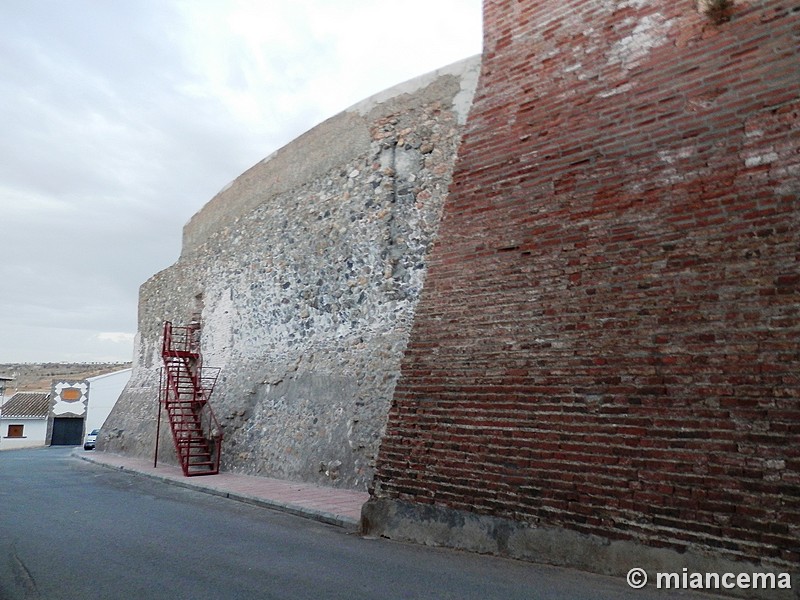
(607, 342)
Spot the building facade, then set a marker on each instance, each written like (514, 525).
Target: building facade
(23, 421)
(590, 359)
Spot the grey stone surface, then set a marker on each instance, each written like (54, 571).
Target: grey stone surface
(305, 272)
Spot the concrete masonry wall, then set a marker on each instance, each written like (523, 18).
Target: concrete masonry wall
(305, 272)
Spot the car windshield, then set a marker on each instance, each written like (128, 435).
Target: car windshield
(95, 432)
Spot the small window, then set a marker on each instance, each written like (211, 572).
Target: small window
(15, 431)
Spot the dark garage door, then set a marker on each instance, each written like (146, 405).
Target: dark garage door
(67, 432)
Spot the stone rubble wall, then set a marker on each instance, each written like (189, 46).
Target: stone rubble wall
(305, 272)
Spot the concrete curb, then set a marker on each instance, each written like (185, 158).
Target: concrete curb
(347, 523)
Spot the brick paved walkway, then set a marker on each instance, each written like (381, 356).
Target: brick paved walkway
(329, 505)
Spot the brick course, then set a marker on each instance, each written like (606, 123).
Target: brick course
(608, 337)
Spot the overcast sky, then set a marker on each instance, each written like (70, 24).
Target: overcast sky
(121, 119)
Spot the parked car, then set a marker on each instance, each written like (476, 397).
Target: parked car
(90, 440)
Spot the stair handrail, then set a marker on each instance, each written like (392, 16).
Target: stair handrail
(206, 379)
(181, 353)
(211, 427)
(182, 339)
(172, 385)
(213, 431)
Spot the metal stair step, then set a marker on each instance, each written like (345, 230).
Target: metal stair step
(186, 387)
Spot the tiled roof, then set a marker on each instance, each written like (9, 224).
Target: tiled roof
(30, 405)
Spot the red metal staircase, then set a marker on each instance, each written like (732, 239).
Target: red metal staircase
(185, 389)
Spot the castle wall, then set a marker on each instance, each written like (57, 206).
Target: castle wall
(305, 273)
(604, 362)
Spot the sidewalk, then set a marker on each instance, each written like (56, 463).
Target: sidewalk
(328, 505)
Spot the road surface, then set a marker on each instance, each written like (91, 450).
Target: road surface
(73, 530)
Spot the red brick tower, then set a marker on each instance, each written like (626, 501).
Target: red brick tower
(607, 350)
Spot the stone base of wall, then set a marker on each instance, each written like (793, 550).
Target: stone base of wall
(441, 526)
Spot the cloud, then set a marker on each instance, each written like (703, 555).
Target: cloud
(121, 120)
(116, 337)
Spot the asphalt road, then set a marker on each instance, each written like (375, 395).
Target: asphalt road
(72, 530)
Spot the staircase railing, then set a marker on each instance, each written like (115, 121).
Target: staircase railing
(185, 389)
(181, 340)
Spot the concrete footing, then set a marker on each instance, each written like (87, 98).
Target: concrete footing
(440, 526)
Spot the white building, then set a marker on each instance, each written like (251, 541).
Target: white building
(104, 391)
(32, 419)
(23, 420)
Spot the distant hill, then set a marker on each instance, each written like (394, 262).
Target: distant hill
(38, 377)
